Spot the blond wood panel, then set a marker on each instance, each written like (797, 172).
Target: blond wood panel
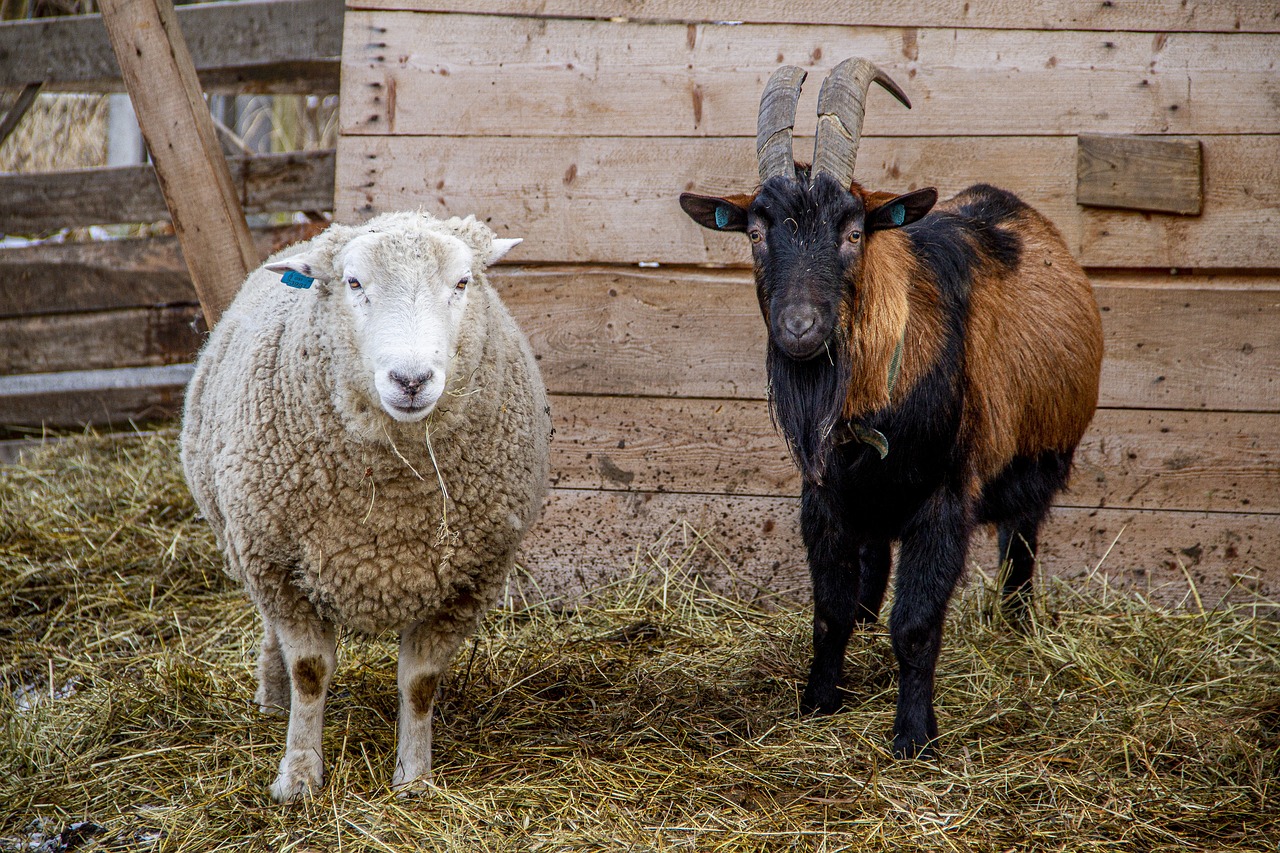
(1169, 15)
(411, 73)
(1129, 458)
(615, 199)
(750, 547)
(1140, 173)
(698, 333)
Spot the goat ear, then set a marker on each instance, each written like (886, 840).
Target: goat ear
(716, 213)
(894, 211)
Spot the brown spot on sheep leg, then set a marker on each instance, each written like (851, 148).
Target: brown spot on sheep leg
(422, 693)
(308, 675)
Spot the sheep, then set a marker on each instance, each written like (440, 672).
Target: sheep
(369, 452)
(930, 371)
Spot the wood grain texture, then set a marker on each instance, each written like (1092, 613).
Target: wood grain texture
(750, 547)
(55, 278)
(1171, 15)
(698, 333)
(262, 45)
(161, 81)
(265, 183)
(1134, 459)
(117, 398)
(125, 338)
(614, 199)
(1140, 173)
(494, 76)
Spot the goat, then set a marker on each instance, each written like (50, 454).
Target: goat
(932, 367)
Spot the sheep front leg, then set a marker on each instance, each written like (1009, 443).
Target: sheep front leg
(425, 652)
(309, 652)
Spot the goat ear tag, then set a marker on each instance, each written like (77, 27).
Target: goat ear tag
(873, 438)
(898, 213)
(293, 278)
(722, 216)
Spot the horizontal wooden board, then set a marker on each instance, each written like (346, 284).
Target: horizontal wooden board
(1140, 173)
(1142, 15)
(698, 333)
(419, 74)
(126, 338)
(614, 200)
(750, 547)
(265, 46)
(112, 398)
(265, 183)
(51, 278)
(1136, 459)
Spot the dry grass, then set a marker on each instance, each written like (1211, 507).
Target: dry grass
(58, 132)
(660, 718)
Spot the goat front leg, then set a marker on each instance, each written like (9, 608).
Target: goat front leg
(425, 652)
(835, 570)
(929, 566)
(308, 648)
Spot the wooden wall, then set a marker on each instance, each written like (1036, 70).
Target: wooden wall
(576, 124)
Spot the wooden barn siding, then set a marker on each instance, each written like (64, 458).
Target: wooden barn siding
(576, 124)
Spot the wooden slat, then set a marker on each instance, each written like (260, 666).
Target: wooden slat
(53, 278)
(1140, 173)
(125, 338)
(1136, 459)
(260, 45)
(1167, 15)
(614, 199)
(107, 398)
(685, 333)
(480, 75)
(265, 183)
(753, 549)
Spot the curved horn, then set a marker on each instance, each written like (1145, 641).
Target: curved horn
(777, 118)
(841, 104)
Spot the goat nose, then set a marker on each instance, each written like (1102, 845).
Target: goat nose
(411, 384)
(799, 321)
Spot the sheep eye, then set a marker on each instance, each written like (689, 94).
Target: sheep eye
(854, 236)
(353, 282)
(462, 283)
(756, 235)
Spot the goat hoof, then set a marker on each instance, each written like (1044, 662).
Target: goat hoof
(814, 704)
(905, 747)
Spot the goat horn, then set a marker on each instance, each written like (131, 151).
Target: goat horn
(841, 104)
(777, 118)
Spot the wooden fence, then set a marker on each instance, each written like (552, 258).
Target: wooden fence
(576, 124)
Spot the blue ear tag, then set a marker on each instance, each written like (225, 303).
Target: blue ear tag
(293, 278)
(899, 214)
(722, 216)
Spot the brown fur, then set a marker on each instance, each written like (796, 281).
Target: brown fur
(422, 693)
(308, 674)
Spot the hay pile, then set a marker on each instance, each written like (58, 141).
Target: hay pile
(661, 718)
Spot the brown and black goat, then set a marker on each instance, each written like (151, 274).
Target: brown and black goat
(932, 367)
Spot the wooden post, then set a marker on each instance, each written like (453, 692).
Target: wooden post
(161, 80)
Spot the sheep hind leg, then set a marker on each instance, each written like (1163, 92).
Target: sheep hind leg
(309, 650)
(273, 676)
(425, 652)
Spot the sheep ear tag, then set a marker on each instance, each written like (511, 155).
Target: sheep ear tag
(293, 278)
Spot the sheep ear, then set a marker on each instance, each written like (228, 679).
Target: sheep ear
(302, 264)
(894, 211)
(502, 245)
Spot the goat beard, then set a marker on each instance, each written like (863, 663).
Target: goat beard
(806, 402)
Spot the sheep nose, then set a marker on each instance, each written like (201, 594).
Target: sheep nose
(411, 384)
(798, 321)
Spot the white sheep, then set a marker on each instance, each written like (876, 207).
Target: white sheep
(369, 452)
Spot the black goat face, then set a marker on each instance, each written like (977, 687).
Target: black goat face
(806, 248)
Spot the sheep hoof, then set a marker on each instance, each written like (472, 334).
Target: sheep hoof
(409, 788)
(299, 775)
(272, 710)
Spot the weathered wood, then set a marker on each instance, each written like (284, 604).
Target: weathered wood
(53, 278)
(1167, 15)
(750, 547)
(266, 183)
(192, 171)
(497, 76)
(1136, 459)
(614, 199)
(685, 333)
(109, 398)
(1140, 173)
(126, 338)
(259, 45)
(26, 98)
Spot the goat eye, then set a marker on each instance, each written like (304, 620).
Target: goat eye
(353, 282)
(756, 235)
(854, 236)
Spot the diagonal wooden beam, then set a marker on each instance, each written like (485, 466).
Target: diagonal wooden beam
(26, 98)
(161, 80)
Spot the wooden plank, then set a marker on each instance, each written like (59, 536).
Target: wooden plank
(126, 338)
(613, 199)
(105, 398)
(176, 124)
(685, 333)
(494, 76)
(750, 547)
(1140, 173)
(259, 45)
(1143, 15)
(265, 183)
(52, 278)
(26, 98)
(1135, 459)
